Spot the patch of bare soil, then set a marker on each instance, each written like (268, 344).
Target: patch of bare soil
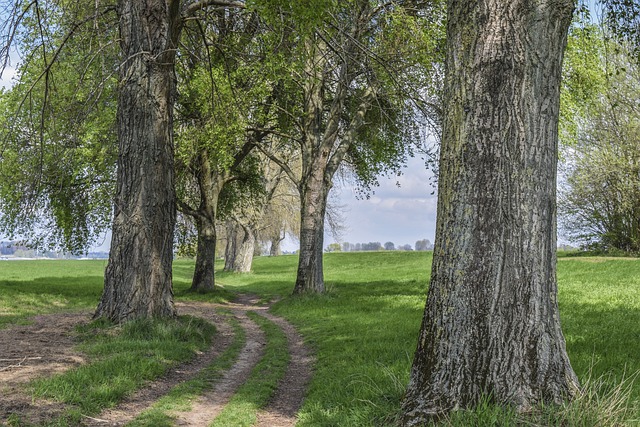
(41, 349)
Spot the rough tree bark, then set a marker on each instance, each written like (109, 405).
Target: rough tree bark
(138, 281)
(241, 242)
(244, 257)
(210, 184)
(491, 325)
(231, 248)
(313, 205)
(138, 278)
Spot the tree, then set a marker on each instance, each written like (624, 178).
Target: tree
(245, 222)
(389, 246)
(57, 168)
(356, 100)
(423, 245)
(334, 247)
(600, 199)
(213, 149)
(138, 275)
(491, 325)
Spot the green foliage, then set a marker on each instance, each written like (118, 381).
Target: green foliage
(600, 203)
(623, 17)
(379, 59)
(58, 128)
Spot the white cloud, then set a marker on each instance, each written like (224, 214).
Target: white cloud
(400, 214)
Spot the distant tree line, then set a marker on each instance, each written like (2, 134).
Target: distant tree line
(421, 245)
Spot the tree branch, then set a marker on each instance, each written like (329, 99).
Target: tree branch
(187, 210)
(292, 176)
(192, 8)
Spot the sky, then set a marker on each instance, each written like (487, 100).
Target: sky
(401, 214)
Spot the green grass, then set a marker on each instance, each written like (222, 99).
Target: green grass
(364, 330)
(45, 286)
(181, 396)
(122, 359)
(254, 394)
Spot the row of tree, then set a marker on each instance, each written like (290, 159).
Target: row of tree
(211, 94)
(250, 111)
(421, 245)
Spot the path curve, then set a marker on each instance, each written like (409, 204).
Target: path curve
(130, 408)
(280, 411)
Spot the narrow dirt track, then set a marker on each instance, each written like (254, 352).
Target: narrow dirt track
(209, 405)
(133, 406)
(287, 400)
(280, 412)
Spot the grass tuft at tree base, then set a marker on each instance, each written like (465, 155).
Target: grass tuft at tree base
(123, 358)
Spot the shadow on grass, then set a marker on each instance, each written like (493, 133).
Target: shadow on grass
(603, 341)
(22, 299)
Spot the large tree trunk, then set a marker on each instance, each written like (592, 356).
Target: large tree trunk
(313, 205)
(204, 274)
(138, 281)
(491, 324)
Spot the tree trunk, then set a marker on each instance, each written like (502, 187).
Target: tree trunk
(138, 279)
(210, 184)
(241, 241)
(491, 325)
(231, 248)
(276, 249)
(244, 257)
(313, 204)
(204, 274)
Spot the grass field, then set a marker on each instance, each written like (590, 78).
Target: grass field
(364, 330)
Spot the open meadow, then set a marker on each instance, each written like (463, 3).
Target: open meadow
(363, 334)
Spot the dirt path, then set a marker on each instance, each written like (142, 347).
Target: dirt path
(141, 400)
(209, 405)
(287, 400)
(43, 348)
(51, 336)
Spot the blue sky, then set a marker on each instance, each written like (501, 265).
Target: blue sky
(399, 214)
